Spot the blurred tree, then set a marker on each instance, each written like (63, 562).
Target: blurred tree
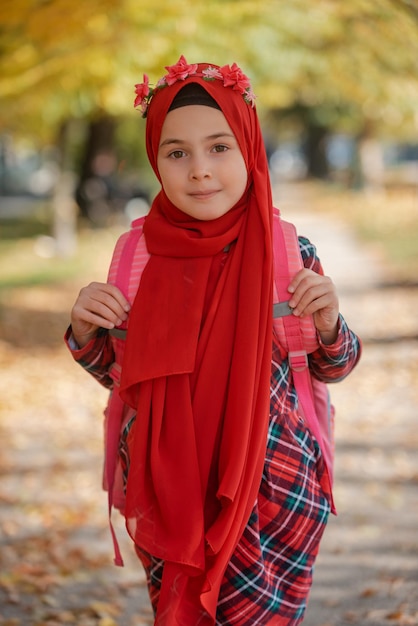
(60, 59)
(347, 62)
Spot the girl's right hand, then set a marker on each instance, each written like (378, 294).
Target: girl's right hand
(99, 305)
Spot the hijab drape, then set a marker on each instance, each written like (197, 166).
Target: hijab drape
(197, 370)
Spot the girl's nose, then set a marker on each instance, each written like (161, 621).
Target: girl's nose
(200, 169)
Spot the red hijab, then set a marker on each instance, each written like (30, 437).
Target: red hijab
(197, 370)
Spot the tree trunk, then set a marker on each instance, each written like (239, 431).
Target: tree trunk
(94, 190)
(315, 150)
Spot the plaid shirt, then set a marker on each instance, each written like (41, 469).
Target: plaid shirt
(269, 576)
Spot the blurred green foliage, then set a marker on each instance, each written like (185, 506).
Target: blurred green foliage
(342, 65)
(349, 60)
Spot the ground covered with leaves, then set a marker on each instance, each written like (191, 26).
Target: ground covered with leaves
(55, 550)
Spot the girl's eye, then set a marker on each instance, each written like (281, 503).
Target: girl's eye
(176, 154)
(220, 148)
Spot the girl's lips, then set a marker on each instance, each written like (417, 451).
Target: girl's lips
(203, 195)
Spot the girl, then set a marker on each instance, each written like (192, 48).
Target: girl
(227, 494)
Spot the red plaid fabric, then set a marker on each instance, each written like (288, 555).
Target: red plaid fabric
(268, 578)
(269, 575)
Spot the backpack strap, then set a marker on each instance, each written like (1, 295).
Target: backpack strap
(286, 244)
(286, 266)
(129, 259)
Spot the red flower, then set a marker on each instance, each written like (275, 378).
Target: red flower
(249, 97)
(230, 75)
(180, 71)
(234, 77)
(210, 73)
(142, 91)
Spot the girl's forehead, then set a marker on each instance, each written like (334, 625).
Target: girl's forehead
(194, 121)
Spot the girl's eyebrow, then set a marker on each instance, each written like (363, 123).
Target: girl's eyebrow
(171, 141)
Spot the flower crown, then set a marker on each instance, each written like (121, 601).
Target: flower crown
(231, 75)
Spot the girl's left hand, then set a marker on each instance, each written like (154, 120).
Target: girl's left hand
(316, 295)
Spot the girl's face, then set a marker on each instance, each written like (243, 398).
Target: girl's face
(201, 167)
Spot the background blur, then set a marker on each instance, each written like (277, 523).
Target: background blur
(337, 87)
(337, 94)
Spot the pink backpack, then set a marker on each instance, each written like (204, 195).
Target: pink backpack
(297, 337)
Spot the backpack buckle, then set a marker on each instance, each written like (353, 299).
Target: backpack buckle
(118, 333)
(281, 309)
(298, 360)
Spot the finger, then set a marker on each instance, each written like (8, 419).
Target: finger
(118, 295)
(100, 289)
(303, 275)
(108, 310)
(309, 288)
(96, 296)
(310, 307)
(93, 315)
(97, 306)
(310, 298)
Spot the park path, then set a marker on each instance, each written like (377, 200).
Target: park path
(55, 551)
(367, 570)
